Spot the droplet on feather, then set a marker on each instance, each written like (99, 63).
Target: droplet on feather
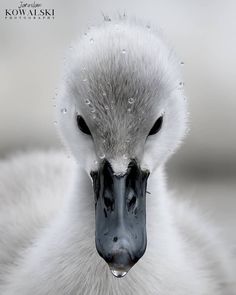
(131, 100)
(64, 111)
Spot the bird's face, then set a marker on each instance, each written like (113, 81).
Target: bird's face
(122, 117)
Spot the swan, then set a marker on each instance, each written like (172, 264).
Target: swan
(106, 223)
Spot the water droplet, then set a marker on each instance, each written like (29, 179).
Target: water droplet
(182, 63)
(64, 111)
(55, 122)
(129, 110)
(91, 40)
(85, 34)
(102, 156)
(104, 93)
(123, 51)
(127, 140)
(125, 157)
(118, 273)
(104, 140)
(94, 117)
(181, 83)
(148, 27)
(84, 80)
(106, 107)
(87, 101)
(93, 110)
(95, 162)
(131, 100)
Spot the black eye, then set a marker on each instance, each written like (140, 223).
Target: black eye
(157, 126)
(82, 125)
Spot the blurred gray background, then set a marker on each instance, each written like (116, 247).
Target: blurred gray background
(203, 33)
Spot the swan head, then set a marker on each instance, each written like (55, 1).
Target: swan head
(122, 113)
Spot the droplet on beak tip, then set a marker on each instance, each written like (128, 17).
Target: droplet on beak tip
(118, 273)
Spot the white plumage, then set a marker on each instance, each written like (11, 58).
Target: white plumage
(47, 204)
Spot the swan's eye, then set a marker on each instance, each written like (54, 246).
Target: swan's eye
(157, 126)
(82, 125)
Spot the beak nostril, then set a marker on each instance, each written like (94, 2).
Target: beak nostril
(109, 203)
(105, 212)
(131, 203)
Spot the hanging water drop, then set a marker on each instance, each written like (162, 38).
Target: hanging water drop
(87, 101)
(91, 40)
(148, 27)
(131, 100)
(94, 117)
(55, 122)
(106, 107)
(84, 80)
(129, 110)
(182, 63)
(93, 110)
(123, 51)
(118, 273)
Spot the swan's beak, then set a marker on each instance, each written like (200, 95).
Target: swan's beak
(120, 209)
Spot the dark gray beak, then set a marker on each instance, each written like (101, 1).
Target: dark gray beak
(120, 208)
